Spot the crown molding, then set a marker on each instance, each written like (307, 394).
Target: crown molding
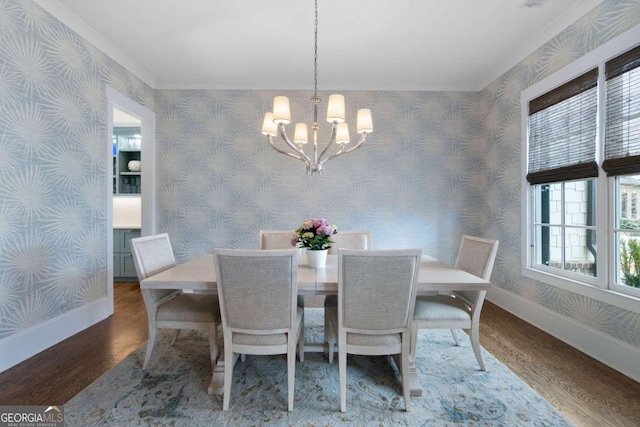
(579, 9)
(72, 21)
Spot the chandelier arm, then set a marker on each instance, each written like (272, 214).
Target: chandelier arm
(332, 139)
(287, 153)
(285, 138)
(363, 137)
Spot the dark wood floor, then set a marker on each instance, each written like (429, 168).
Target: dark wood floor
(586, 391)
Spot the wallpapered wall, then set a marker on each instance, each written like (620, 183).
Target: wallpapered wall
(53, 168)
(219, 182)
(439, 164)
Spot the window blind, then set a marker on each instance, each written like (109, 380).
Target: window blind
(622, 135)
(562, 132)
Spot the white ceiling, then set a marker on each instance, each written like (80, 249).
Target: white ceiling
(362, 44)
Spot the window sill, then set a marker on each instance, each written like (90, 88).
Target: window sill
(618, 299)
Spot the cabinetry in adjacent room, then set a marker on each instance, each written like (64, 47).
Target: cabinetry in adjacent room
(124, 269)
(126, 160)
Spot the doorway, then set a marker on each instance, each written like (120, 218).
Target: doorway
(121, 108)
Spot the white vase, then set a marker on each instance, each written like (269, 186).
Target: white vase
(317, 259)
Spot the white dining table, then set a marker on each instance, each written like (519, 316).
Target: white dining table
(198, 275)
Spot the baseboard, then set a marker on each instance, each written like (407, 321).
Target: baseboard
(25, 344)
(612, 352)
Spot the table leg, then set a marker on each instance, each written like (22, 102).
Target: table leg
(217, 376)
(414, 386)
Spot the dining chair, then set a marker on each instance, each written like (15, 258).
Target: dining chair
(278, 239)
(170, 308)
(461, 309)
(359, 239)
(257, 291)
(376, 299)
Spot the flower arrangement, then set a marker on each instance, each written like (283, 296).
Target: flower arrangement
(314, 234)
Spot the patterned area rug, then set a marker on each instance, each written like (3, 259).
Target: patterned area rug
(174, 390)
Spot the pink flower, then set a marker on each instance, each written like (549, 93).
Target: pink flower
(314, 233)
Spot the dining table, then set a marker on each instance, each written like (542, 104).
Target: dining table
(198, 275)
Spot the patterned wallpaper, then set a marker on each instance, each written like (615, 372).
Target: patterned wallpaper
(219, 182)
(438, 164)
(53, 168)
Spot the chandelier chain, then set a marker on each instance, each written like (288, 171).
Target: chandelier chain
(315, 56)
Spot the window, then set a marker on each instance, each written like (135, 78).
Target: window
(627, 235)
(565, 231)
(562, 128)
(583, 176)
(622, 161)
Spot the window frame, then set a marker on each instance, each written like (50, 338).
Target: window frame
(602, 287)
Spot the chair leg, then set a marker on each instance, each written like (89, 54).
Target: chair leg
(404, 370)
(291, 374)
(301, 341)
(455, 337)
(475, 343)
(330, 319)
(175, 337)
(414, 341)
(342, 368)
(151, 344)
(228, 374)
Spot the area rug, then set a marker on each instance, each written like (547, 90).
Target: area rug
(174, 390)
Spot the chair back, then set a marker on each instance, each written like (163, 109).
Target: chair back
(153, 255)
(360, 239)
(476, 256)
(377, 289)
(270, 239)
(257, 289)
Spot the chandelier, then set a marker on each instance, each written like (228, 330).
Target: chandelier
(276, 120)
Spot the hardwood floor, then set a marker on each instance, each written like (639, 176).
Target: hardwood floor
(55, 375)
(587, 392)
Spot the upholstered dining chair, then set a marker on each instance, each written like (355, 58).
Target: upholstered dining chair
(359, 239)
(376, 299)
(278, 239)
(459, 310)
(257, 291)
(170, 308)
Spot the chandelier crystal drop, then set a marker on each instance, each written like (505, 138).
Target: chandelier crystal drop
(275, 122)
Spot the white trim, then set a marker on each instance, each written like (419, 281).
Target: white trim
(71, 20)
(148, 153)
(27, 343)
(148, 172)
(612, 352)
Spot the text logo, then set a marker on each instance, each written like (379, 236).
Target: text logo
(31, 416)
